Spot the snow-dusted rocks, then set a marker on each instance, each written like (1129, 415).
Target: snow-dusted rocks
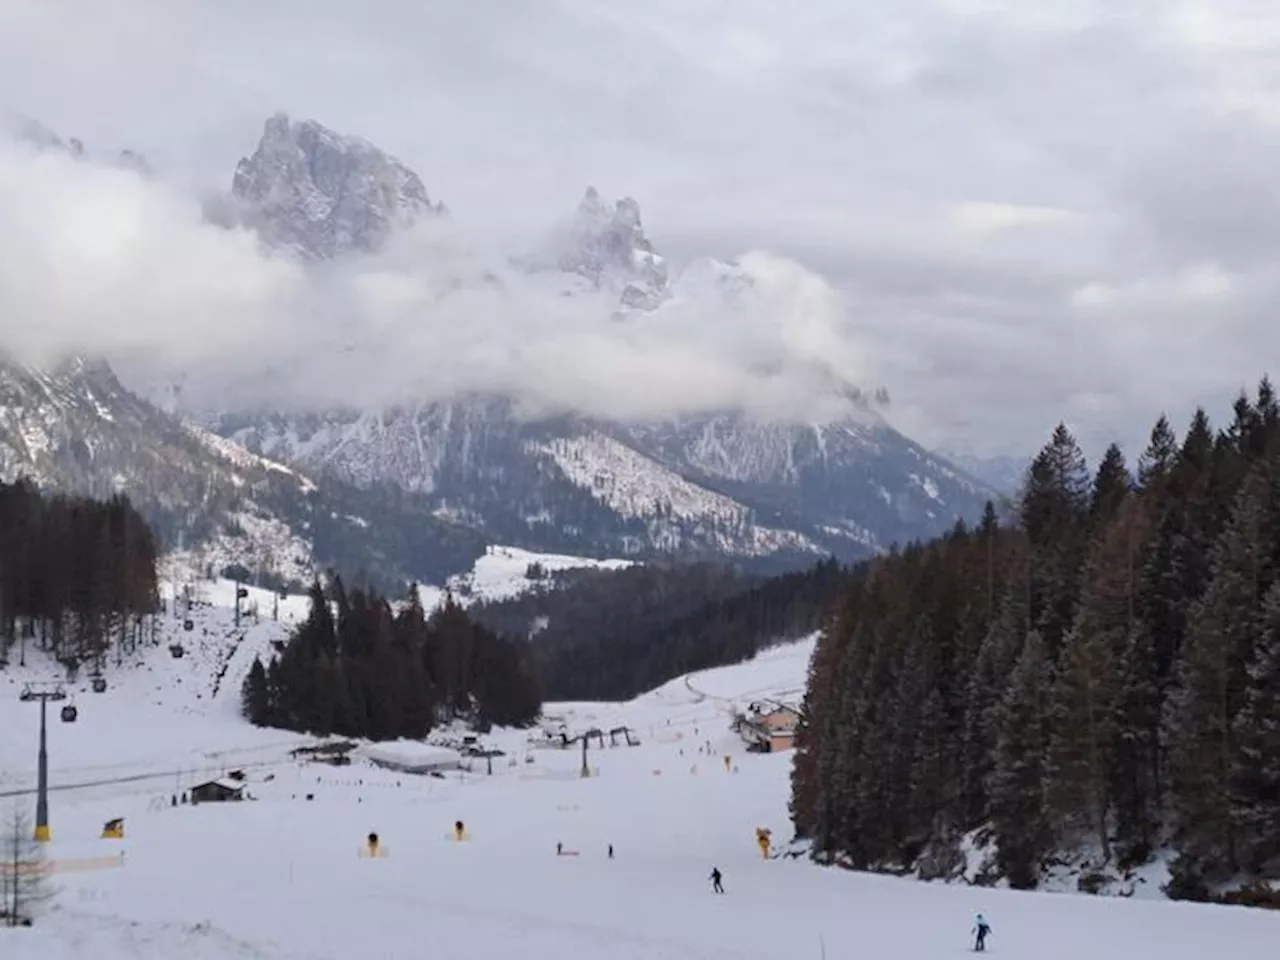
(608, 246)
(322, 194)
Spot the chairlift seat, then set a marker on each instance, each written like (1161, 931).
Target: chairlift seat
(69, 714)
(99, 685)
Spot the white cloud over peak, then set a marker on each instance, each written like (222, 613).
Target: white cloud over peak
(102, 260)
(1028, 211)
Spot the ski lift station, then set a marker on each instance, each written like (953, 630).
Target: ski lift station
(410, 756)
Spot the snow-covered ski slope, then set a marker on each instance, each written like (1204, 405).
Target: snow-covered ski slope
(281, 877)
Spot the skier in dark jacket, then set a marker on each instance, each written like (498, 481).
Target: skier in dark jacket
(715, 880)
(980, 930)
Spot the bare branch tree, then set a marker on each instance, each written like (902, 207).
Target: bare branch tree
(24, 883)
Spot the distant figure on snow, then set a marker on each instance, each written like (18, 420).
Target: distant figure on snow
(611, 851)
(716, 886)
(559, 848)
(980, 930)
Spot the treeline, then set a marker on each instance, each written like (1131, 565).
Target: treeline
(1104, 676)
(356, 667)
(612, 634)
(76, 575)
(1101, 678)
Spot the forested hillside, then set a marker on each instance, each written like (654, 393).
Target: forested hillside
(357, 668)
(614, 634)
(1101, 678)
(76, 575)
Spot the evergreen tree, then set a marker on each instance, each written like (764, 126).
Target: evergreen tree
(1212, 682)
(1017, 781)
(1111, 487)
(256, 697)
(1255, 768)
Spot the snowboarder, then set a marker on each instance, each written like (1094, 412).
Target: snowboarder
(980, 929)
(611, 851)
(716, 886)
(559, 848)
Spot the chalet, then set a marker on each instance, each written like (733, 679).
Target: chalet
(217, 791)
(768, 727)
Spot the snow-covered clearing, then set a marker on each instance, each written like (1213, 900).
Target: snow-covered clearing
(282, 877)
(503, 573)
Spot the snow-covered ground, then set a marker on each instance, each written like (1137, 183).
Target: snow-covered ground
(502, 573)
(282, 876)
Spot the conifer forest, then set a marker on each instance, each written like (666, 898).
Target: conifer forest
(356, 667)
(76, 576)
(1099, 677)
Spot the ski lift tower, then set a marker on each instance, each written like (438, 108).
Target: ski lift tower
(44, 692)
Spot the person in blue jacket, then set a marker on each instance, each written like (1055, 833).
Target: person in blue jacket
(980, 930)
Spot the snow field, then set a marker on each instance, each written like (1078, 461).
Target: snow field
(281, 877)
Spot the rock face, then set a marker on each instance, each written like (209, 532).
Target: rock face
(608, 247)
(718, 484)
(420, 489)
(322, 194)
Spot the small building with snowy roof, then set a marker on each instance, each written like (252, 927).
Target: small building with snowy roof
(217, 791)
(411, 756)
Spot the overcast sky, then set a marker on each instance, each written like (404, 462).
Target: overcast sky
(1032, 210)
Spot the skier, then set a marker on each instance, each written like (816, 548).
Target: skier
(611, 851)
(716, 887)
(980, 929)
(559, 848)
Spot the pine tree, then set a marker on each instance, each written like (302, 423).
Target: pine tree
(24, 887)
(1157, 461)
(1111, 488)
(256, 697)
(1017, 782)
(1211, 682)
(1255, 769)
(1136, 765)
(1082, 719)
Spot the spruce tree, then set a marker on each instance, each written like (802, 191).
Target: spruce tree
(1255, 768)
(1211, 683)
(1017, 783)
(256, 697)
(1082, 719)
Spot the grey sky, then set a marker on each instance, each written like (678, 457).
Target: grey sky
(1036, 210)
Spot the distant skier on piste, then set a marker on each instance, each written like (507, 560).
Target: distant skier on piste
(716, 886)
(980, 930)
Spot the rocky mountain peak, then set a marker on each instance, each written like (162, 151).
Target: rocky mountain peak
(607, 245)
(324, 194)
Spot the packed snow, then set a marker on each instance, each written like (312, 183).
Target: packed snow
(288, 875)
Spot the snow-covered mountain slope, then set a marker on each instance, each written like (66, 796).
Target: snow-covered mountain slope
(244, 879)
(75, 428)
(162, 716)
(777, 491)
(673, 510)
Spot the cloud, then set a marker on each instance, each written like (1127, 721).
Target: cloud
(102, 260)
(1026, 212)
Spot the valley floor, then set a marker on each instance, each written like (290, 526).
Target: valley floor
(281, 876)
